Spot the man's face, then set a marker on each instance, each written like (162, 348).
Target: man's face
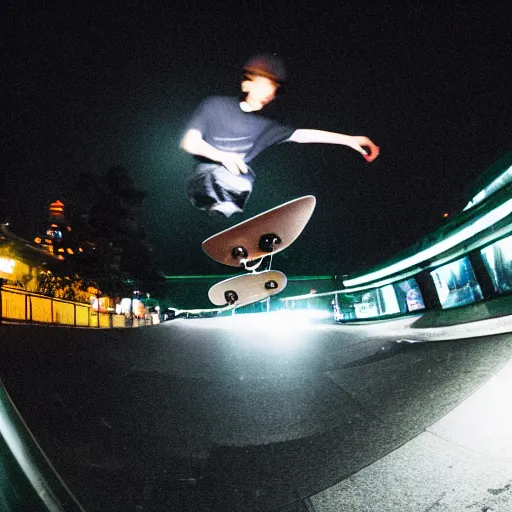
(260, 91)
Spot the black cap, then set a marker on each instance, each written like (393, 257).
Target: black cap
(268, 65)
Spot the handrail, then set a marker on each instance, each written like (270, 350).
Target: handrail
(44, 490)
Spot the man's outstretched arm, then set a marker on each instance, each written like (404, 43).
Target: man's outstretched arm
(360, 143)
(194, 143)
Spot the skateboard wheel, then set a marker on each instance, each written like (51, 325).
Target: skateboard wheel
(230, 296)
(238, 253)
(271, 285)
(268, 242)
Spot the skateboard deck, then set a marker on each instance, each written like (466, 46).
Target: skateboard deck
(247, 288)
(266, 233)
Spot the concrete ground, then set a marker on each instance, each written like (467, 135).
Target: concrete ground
(270, 412)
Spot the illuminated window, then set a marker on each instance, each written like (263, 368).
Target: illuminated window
(54, 233)
(456, 284)
(397, 298)
(498, 261)
(7, 265)
(409, 295)
(57, 209)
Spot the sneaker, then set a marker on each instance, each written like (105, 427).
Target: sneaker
(226, 209)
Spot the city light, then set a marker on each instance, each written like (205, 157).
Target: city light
(57, 209)
(7, 265)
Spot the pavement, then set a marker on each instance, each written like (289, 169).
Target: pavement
(270, 412)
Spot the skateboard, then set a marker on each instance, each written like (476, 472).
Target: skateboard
(247, 288)
(265, 234)
(248, 243)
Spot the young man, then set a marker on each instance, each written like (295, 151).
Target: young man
(227, 133)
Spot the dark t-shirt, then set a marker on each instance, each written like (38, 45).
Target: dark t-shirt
(225, 126)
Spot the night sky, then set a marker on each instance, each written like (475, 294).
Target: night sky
(85, 88)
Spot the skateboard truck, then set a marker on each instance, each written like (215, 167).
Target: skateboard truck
(239, 253)
(231, 297)
(268, 242)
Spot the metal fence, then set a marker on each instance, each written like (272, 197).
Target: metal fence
(17, 305)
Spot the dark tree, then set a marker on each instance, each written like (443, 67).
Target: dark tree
(106, 215)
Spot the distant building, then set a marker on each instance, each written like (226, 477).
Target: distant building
(21, 262)
(58, 239)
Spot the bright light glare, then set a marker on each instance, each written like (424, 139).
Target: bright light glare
(277, 330)
(7, 265)
(288, 318)
(316, 314)
(274, 321)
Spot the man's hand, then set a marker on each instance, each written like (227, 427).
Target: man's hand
(234, 163)
(366, 147)
(362, 144)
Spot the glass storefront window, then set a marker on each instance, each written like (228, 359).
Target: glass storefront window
(367, 305)
(498, 261)
(410, 297)
(403, 297)
(355, 306)
(456, 284)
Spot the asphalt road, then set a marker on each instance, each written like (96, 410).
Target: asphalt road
(244, 413)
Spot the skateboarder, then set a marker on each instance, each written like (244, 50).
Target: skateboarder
(227, 133)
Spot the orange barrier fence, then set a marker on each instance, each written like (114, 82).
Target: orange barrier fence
(18, 305)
